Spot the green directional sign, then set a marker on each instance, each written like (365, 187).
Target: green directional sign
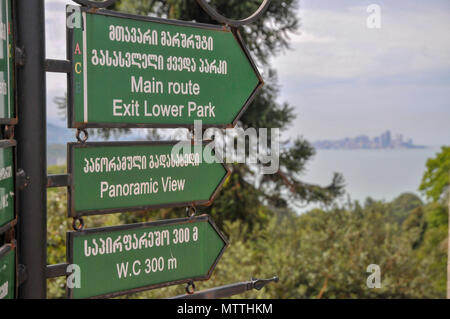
(7, 197)
(7, 106)
(134, 71)
(123, 259)
(7, 271)
(125, 176)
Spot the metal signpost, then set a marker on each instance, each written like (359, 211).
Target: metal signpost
(127, 176)
(124, 71)
(132, 258)
(229, 290)
(134, 71)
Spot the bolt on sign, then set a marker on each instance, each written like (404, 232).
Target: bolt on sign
(109, 177)
(7, 105)
(134, 71)
(7, 198)
(7, 271)
(112, 261)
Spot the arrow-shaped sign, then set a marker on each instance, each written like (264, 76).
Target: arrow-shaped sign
(130, 258)
(134, 71)
(108, 177)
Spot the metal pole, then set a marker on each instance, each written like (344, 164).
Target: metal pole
(448, 242)
(31, 147)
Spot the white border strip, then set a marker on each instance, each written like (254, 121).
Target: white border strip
(85, 69)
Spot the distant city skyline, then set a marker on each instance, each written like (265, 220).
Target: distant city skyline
(383, 141)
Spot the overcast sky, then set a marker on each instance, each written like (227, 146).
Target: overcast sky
(343, 78)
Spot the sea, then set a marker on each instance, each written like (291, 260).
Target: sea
(379, 174)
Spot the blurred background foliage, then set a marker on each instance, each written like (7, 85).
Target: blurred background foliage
(323, 253)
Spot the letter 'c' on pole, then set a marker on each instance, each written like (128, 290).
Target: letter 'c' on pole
(234, 23)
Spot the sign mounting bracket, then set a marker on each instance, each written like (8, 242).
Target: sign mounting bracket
(58, 66)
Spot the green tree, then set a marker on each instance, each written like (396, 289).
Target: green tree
(246, 193)
(403, 205)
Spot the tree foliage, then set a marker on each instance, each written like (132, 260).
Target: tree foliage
(435, 181)
(104, 133)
